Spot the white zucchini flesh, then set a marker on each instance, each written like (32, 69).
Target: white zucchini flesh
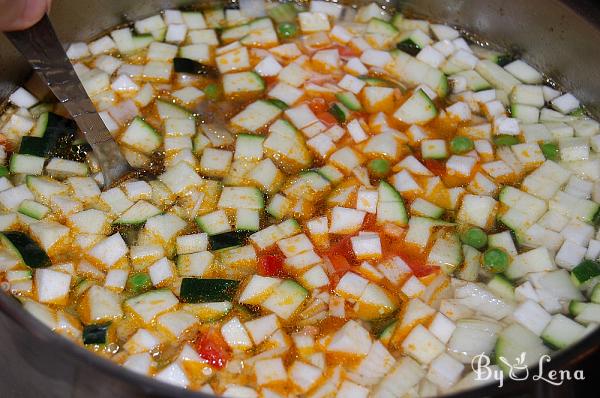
(417, 109)
(351, 339)
(473, 337)
(148, 305)
(283, 146)
(483, 301)
(515, 343)
(562, 331)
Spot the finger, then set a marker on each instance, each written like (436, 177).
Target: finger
(21, 14)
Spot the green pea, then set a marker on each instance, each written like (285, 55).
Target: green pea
(287, 29)
(495, 260)
(139, 283)
(461, 144)
(550, 150)
(506, 140)
(474, 237)
(379, 168)
(212, 91)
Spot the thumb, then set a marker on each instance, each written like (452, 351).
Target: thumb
(21, 14)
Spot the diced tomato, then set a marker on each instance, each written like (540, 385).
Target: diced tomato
(417, 263)
(327, 118)
(437, 167)
(270, 265)
(341, 256)
(317, 105)
(346, 51)
(342, 247)
(369, 222)
(213, 348)
(340, 264)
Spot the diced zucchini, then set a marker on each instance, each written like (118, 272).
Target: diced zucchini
(255, 116)
(414, 72)
(446, 252)
(285, 299)
(61, 168)
(286, 147)
(152, 303)
(247, 220)
(496, 75)
(197, 290)
(390, 206)
(417, 109)
(242, 83)
(595, 296)
(25, 248)
(536, 260)
(186, 65)
(562, 332)
(214, 223)
(26, 164)
(96, 333)
(138, 213)
(381, 27)
(349, 100)
(227, 239)
(434, 149)
(48, 131)
(421, 207)
(141, 137)
(516, 342)
(502, 287)
(279, 206)
(168, 110)
(241, 197)
(584, 272)
(33, 209)
(209, 312)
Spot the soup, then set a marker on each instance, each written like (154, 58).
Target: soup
(330, 202)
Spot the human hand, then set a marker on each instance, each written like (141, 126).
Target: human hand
(21, 14)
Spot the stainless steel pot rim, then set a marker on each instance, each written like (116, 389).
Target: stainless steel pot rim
(561, 360)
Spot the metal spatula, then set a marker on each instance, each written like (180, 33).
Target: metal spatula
(41, 47)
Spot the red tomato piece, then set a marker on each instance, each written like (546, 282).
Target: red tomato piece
(342, 247)
(213, 348)
(418, 265)
(327, 118)
(370, 222)
(270, 265)
(317, 105)
(346, 51)
(340, 264)
(437, 167)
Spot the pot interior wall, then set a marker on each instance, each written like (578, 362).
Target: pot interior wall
(548, 33)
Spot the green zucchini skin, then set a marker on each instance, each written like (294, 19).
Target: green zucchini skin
(186, 65)
(228, 239)
(58, 131)
(197, 290)
(409, 47)
(32, 254)
(95, 334)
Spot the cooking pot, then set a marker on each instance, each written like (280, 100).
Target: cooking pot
(558, 37)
